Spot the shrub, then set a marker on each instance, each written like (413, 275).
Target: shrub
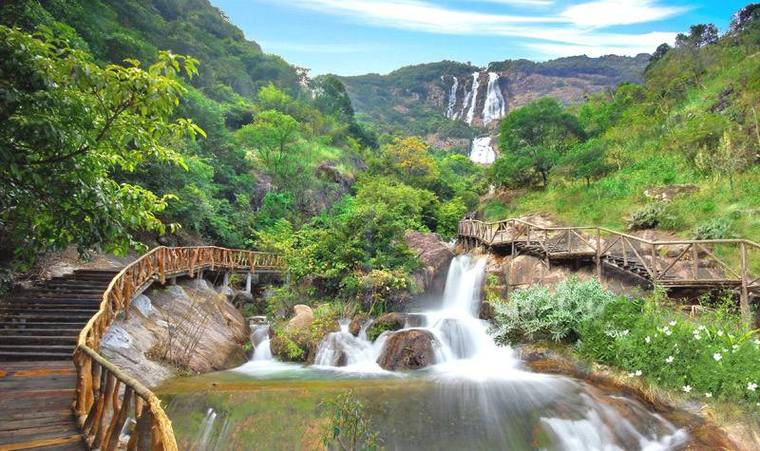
(536, 313)
(714, 229)
(650, 216)
(713, 355)
(349, 427)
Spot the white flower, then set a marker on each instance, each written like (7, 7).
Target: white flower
(708, 395)
(756, 341)
(625, 332)
(751, 386)
(669, 359)
(697, 337)
(638, 373)
(734, 348)
(686, 388)
(648, 339)
(668, 332)
(701, 327)
(720, 333)
(672, 323)
(717, 356)
(630, 374)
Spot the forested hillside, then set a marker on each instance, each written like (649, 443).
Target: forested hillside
(134, 123)
(678, 152)
(415, 99)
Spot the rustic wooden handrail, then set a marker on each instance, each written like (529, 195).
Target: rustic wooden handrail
(106, 397)
(628, 248)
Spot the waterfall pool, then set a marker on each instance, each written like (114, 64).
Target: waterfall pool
(476, 396)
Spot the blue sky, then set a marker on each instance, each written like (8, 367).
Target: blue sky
(350, 37)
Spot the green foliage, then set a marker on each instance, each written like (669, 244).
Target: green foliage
(710, 355)
(273, 137)
(537, 313)
(713, 229)
(533, 139)
(449, 215)
(349, 428)
(68, 124)
(650, 216)
(586, 161)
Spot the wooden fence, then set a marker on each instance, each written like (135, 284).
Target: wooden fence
(672, 264)
(105, 397)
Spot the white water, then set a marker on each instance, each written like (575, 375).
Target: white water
(473, 97)
(450, 113)
(473, 370)
(481, 151)
(260, 341)
(495, 106)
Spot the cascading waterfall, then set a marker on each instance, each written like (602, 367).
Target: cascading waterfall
(450, 113)
(481, 151)
(260, 341)
(475, 376)
(495, 106)
(473, 97)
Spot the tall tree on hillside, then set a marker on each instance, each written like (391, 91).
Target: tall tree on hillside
(533, 139)
(746, 16)
(68, 125)
(699, 35)
(273, 138)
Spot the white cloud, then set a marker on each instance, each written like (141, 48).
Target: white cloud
(604, 13)
(520, 2)
(574, 30)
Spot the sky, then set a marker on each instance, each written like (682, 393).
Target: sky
(352, 37)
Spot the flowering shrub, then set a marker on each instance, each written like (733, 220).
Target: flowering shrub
(537, 313)
(712, 355)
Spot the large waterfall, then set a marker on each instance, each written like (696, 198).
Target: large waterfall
(450, 113)
(473, 97)
(495, 106)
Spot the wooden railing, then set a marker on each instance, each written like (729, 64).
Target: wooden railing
(106, 398)
(676, 263)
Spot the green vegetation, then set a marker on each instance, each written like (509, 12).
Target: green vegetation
(349, 427)
(709, 355)
(536, 313)
(693, 121)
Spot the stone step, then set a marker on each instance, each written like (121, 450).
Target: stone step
(37, 341)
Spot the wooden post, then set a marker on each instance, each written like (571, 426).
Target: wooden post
(598, 253)
(654, 261)
(744, 295)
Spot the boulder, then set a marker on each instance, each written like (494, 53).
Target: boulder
(433, 253)
(408, 349)
(327, 170)
(303, 318)
(389, 321)
(355, 327)
(187, 327)
(669, 192)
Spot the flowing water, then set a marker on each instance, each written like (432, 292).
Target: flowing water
(481, 151)
(495, 106)
(473, 97)
(475, 396)
(450, 109)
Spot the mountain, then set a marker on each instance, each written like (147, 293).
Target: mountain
(448, 99)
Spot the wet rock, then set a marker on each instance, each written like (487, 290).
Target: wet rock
(408, 349)
(389, 321)
(415, 320)
(434, 255)
(355, 326)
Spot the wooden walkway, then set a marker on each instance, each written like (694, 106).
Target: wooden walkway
(691, 264)
(38, 334)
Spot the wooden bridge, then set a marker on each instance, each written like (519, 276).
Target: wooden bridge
(42, 328)
(694, 264)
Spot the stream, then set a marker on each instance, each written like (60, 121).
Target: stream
(477, 395)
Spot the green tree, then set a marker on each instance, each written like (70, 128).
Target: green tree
(273, 138)
(586, 161)
(68, 125)
(535, 137)
(349, 428)
(449, 215)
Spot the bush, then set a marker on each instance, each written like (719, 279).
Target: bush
(714, 229)
(535, 313)
(713, 355)
(650, 216)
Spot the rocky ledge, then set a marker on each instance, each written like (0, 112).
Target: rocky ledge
(177, 329)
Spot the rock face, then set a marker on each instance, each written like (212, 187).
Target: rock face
(434, 255)
(408, 349)
(298, 340)
(188, 326)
